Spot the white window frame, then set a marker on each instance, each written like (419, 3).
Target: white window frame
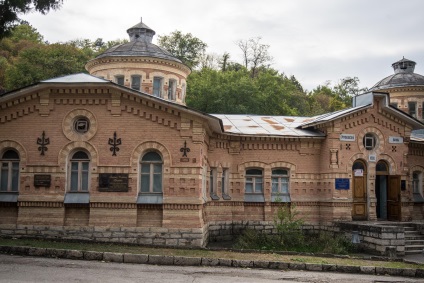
(151, 174)
(370, 141)
(11, 167)
(82, 186)
(278, 181)
(255, 180)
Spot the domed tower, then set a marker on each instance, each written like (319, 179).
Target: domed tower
(143, 66)
(405, 87)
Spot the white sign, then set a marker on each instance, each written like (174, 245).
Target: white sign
(372, 158)
(395, 140)
(347, 137)
(358, 172)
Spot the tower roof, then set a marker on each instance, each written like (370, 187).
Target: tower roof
(404, 76)
(140, 45)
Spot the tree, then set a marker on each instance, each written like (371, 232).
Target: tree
(185, 47)
(44, 62)
(10, 9)
(255, 54)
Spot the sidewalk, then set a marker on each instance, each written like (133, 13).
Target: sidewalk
(416, 258)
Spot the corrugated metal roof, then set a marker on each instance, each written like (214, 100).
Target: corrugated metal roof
(266, 125)
(76, 78)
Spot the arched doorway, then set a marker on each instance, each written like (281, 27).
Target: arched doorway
(382, 172)
(359, 205)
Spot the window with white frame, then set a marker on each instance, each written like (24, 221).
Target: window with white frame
(172, 88)
(80, 171)
(369, 141)
(417, 182)
(151, 173)
(119, 79)
(9, 177)
(135, 82)
(157, 86)
(254, 181)
(183, 92)
(280, 185)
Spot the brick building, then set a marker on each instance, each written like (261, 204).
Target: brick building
(117, 156)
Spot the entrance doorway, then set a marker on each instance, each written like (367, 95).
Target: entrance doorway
(359, 205)
(382, 172)
(387, 192)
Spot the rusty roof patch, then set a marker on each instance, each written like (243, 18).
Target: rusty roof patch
(268, 120)
(228, 127)
(277, 127)
(289, 119)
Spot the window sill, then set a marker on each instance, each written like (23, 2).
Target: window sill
(226, 197)
(280, 198)
(214, 197)
(77, 197)
(150, 198)
(416, 197)
(9, 196)
(254, 198)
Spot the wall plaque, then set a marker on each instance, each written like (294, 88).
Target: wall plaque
(347, 137)
(113, 182)
(42, 180)
(395, 140)
(342, 184)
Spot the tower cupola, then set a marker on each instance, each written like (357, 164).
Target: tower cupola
(141, 32)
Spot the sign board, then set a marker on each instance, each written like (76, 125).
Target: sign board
(42, 180)
(342, 184)
(358, 172)
(347, 137)
(372, 158)
(395, 140)
(113, 182)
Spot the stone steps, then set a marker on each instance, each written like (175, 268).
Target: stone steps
(414, 241)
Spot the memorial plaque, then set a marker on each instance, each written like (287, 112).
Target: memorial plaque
(342, 184)
(42, 180)
(113, 182)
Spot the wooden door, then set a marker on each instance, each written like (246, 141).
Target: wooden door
(359, 209)
(393, 199)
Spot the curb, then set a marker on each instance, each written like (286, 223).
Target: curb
(203, 261)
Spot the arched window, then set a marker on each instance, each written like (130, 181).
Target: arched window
(80, 171)
(151, 173)
(9, 177)
(382, 168)
(280, 184)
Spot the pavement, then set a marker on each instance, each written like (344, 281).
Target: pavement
(416, 258)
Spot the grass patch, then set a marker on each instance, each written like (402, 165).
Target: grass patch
(136, 249)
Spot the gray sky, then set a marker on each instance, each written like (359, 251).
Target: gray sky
(314, 40)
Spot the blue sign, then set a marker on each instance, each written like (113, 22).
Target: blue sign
(342, 184)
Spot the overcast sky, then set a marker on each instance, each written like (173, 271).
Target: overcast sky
(314, 40)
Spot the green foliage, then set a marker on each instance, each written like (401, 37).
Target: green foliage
(10, 9)
(288, 225)
(43, 62)
(290, 237)
(185, 47)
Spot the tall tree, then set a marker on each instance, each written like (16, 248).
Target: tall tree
(255, 54)
(11, 9)
(186, 47)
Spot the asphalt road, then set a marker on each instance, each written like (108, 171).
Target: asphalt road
(33, 269)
